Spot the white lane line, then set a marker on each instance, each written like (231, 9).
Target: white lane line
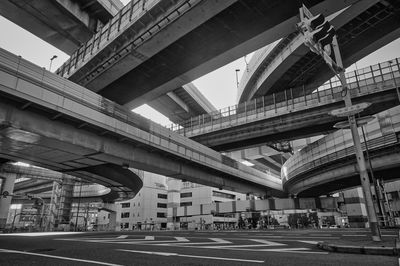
(42, 234)
(252, 249)
(122, 236)
(308, 242)
(181, 239)
(220, 241)
(268, 243)
(320, 234)
(149, 238)
(354, 235)
(189, 256)
(215, 242)
(58, 257)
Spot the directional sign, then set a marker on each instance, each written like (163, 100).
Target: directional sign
(349, 110)
(360, 122)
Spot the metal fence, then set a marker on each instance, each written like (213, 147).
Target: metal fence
(364, 81)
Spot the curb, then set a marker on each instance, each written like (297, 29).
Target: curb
(385, 251)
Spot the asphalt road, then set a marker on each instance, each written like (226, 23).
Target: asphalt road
(296, 247)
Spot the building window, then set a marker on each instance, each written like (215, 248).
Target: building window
(126, 225)
(108, 216)
(161, 214)
(162, 196)
(125, 205)
(189, 203)
(161, 205)
(394, 195)
(124, 214)
(186, 195)
(223, 195)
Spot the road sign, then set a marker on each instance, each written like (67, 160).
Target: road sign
(349, 110)
(360, 122)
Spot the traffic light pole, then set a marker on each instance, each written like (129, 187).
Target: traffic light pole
(364, 178)
(365, 184)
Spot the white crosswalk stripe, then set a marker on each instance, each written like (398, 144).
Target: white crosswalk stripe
(254, 244)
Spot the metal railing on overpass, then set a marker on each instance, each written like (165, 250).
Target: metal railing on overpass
(122, 22)
(372, 79)
(382, 132)
(25, 80)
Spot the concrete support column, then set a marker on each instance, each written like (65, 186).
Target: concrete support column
(66, 196)
(7, 185)
(174, 201)
(355, 207)
(112, 224)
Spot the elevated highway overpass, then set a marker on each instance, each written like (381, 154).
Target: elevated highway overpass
(51, 122)
(153, 47)
(361, 29)
(39, 181)
(329, 164)
(66, 24)
(294, 113)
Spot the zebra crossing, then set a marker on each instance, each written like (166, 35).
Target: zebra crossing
(239, 244)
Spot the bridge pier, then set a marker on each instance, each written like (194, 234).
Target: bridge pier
(174, 200)
(7, 181)
(355, 207)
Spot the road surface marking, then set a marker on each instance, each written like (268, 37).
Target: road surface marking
(122, 236)
(308, 242)
(215, 242)
(269, 243)
(354, 235)
(58, 257)
(189, 256)
(42, 234)
(182, 239)
(220, 241)
(320, 234)
(149, 238)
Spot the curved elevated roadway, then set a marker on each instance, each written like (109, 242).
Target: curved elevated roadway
(362, 28)
(329, 164)
(51, 122)
(34, 180)
(293, 114)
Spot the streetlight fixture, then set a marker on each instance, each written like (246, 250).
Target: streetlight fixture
(51, 61)
(237, 78)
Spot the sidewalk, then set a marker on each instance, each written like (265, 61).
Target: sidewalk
(386, 247)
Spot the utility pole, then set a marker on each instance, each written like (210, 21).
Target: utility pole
(320, 37)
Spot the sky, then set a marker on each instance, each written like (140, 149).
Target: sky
(219, 86)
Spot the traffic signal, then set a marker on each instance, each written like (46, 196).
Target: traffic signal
(319, 30)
